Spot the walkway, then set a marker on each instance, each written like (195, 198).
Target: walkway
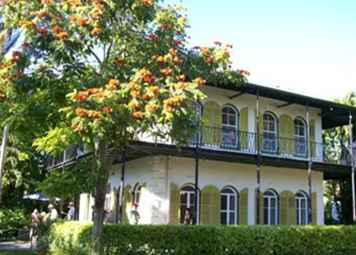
(15, 246)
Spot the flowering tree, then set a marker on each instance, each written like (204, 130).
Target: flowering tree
(103, 71)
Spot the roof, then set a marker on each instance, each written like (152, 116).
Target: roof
(333, 114)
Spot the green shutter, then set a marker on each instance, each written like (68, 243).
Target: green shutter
(244, 128)
(284, 208)
(243, 207)
(287, 208)
(314, 201)
(261, 207)
(312, 137)
(286, 134)
(292, 215)
(127, 204)
(174, 204)
(210, 205)
(212, 124)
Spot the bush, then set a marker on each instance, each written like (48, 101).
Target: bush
(11, 221)
(72, 238)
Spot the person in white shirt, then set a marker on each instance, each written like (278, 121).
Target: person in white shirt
(53, 214)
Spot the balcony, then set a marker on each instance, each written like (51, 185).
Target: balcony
(270, 145)
(236, 141)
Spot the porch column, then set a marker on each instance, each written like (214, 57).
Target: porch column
(258, 160)
(310, 163)
(122, 186)
(352, 157)
(196, 181)
(196, 185)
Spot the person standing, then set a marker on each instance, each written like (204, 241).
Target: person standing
(35, 221)
(53, 214)
(71, 211)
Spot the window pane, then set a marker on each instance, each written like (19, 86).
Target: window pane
(273, 216)
(265, 214)
(232, 203)
(183, 198)
(303, 217)
(303, 203)
(232, 218)
(273, 202)
(223, 218)
(223, 202)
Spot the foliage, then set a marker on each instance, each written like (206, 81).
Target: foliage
(339, 191)
(101, 73)
(11, 220)
(72, 238)
(67, 184)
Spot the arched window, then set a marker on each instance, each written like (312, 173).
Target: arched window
(269, 132)
(229, 206)
(300, 137)
(301, 202)
(270, 207)
(187, 205)
(229, 126)
(136, 195)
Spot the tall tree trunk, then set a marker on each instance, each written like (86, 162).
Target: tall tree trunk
(101, 164)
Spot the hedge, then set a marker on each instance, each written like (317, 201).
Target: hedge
(72, 238)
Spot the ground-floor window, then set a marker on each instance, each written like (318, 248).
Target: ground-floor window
(270, 207)
(301, 202)
(136, 195)
(187, 205)
(229, 208)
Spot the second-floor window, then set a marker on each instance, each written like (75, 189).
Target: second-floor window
(229, 126)
(300, 137)
(269, 132)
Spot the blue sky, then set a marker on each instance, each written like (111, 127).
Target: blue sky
(302, 46)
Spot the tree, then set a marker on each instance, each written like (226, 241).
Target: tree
(101, 72)
(339, 191)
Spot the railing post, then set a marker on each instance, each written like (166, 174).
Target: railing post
(352, 157)
(258, 159)
(310, 163)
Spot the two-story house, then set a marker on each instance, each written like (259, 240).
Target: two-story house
(260, 158)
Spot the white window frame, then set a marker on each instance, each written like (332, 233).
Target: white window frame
(190, 201)
(137, 194)
(228, 195)
(267, 133)
(269, 197)
(298, 138)
(299, 197)
(229, 126)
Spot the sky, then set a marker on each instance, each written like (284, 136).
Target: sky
(303, 46)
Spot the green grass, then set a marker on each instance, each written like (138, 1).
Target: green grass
(17, 253)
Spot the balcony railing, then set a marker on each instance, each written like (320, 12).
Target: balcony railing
(231, 139)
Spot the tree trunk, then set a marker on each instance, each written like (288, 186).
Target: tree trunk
(101, 164)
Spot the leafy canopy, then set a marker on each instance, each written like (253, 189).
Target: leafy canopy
(105, 70)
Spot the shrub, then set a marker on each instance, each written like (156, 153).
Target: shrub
(11, 221)
(72, 238)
